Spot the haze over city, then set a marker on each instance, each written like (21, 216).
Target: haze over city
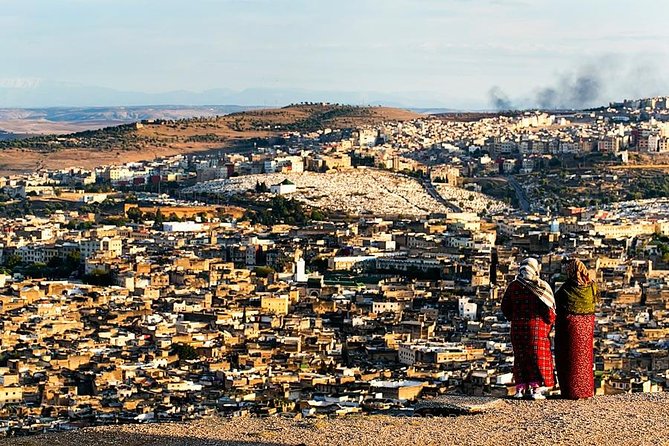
(430, 53)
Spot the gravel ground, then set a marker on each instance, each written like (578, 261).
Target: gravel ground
(612, 420)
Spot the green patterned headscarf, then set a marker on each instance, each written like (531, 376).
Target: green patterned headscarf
(574, 297)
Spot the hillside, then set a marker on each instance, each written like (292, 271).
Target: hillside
(64, 120)
(6, 136)
(638, 419)
(160, 138)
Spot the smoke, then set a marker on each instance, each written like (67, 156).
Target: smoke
(594, 83)
(643, 78)
(573, 90)
(498, 99)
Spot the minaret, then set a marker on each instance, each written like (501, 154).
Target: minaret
(300, 270)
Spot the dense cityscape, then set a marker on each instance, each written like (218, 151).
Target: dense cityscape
(328, 272)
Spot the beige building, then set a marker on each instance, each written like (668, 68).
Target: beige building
(624, 230)
(110, 247)
(398, 390)
(10, 395)
(276, 305)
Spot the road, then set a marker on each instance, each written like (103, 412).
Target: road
(430, 189)
(640, 167)
(520, 193)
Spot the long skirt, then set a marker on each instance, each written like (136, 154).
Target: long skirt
(574, 355)
(532, 357)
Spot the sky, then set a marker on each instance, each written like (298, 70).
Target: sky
(429, 53)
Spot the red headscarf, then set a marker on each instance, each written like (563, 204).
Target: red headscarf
(578, 272)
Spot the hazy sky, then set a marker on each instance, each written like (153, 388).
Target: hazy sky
(448, 52)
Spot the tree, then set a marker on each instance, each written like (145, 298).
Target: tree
(37, 270)
(99, 277)
(13, 261)
(73, 260)
(318, 215)
(134, 214)
(55, 262)
(263, 271)
(158, 221)
(184, 351)
(319, 264)
(261, 187)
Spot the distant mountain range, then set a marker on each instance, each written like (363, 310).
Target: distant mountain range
(42, 94)
(20, 122)
(117, 114)
(15, 122)
(41, 107)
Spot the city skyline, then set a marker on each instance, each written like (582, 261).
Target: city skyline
(281, 222)
(453, 54)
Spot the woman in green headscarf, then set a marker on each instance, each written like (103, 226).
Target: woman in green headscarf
(574, 332)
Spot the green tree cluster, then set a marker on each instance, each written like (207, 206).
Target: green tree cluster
(99, 277)
(281, 210)
(184, 351)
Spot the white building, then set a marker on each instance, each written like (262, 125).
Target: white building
(467, 309)
(283, 188)
(182, 226)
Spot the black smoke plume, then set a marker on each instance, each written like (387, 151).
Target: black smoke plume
(594, 83)
(572, 90)
(498, 99)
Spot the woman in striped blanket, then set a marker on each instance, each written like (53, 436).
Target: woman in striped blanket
(529, 304)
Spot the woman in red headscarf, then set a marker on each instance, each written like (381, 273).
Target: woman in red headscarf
(574, 332)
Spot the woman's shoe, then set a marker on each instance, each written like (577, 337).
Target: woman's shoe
(538, 394)
(518, 395)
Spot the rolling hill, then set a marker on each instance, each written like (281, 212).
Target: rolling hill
(159, 138)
